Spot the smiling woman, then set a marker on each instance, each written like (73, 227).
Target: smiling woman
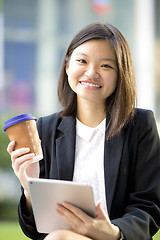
(98, 138)
(114, 57)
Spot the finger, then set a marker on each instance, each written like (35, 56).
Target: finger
(100, 212)
(62, 210)
(22, 174)
(11, 147)
(77, 211)
(23, 167)
(18, 153)
(70, 218)
(21, 160)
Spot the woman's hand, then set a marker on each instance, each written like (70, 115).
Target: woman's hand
(23, 165)
(99, 228)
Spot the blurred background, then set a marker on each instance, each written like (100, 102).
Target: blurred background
(34, 35)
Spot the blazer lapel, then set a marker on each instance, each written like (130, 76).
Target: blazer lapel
(112, 157)
(65, 148)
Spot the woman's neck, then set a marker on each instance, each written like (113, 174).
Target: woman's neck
(90, 113)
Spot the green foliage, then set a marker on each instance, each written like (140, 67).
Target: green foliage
(1, 6)
(11, 231)
(157, 236)
(8, 210)
(5, 161)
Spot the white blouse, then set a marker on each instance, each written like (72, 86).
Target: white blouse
(89, 159)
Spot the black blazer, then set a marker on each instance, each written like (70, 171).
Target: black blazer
(131, 167)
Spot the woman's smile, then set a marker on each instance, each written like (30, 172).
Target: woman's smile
(91, 85)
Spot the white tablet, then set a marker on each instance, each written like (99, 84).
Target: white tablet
(46, 193)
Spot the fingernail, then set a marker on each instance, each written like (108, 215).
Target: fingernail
(27, 149)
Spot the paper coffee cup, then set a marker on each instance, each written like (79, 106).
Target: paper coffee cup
(23, 130)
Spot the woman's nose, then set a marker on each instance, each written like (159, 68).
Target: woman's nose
(92, 74)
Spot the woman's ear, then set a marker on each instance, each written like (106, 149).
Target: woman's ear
(67, 67)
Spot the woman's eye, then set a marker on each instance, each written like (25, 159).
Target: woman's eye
(81, 61)
(106, 66)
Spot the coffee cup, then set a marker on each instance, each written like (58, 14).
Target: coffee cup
(23, 130)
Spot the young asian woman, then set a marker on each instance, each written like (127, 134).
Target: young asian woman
(100, 138)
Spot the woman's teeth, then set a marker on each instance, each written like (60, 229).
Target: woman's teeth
(91, 84)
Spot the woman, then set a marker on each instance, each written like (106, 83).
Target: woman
(106, 141)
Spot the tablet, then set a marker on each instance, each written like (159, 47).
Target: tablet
(46, 193)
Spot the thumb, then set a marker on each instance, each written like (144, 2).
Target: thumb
(100, 212)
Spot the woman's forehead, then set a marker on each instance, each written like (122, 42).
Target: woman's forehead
(95, 47)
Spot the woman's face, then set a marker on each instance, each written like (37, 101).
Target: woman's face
(92, 71)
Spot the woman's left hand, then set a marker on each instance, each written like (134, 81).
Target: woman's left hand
(99, 228)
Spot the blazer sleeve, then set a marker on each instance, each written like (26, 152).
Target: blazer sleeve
(141, 218)
(27, 222)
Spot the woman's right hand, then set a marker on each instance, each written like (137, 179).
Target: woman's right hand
(23, 165)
